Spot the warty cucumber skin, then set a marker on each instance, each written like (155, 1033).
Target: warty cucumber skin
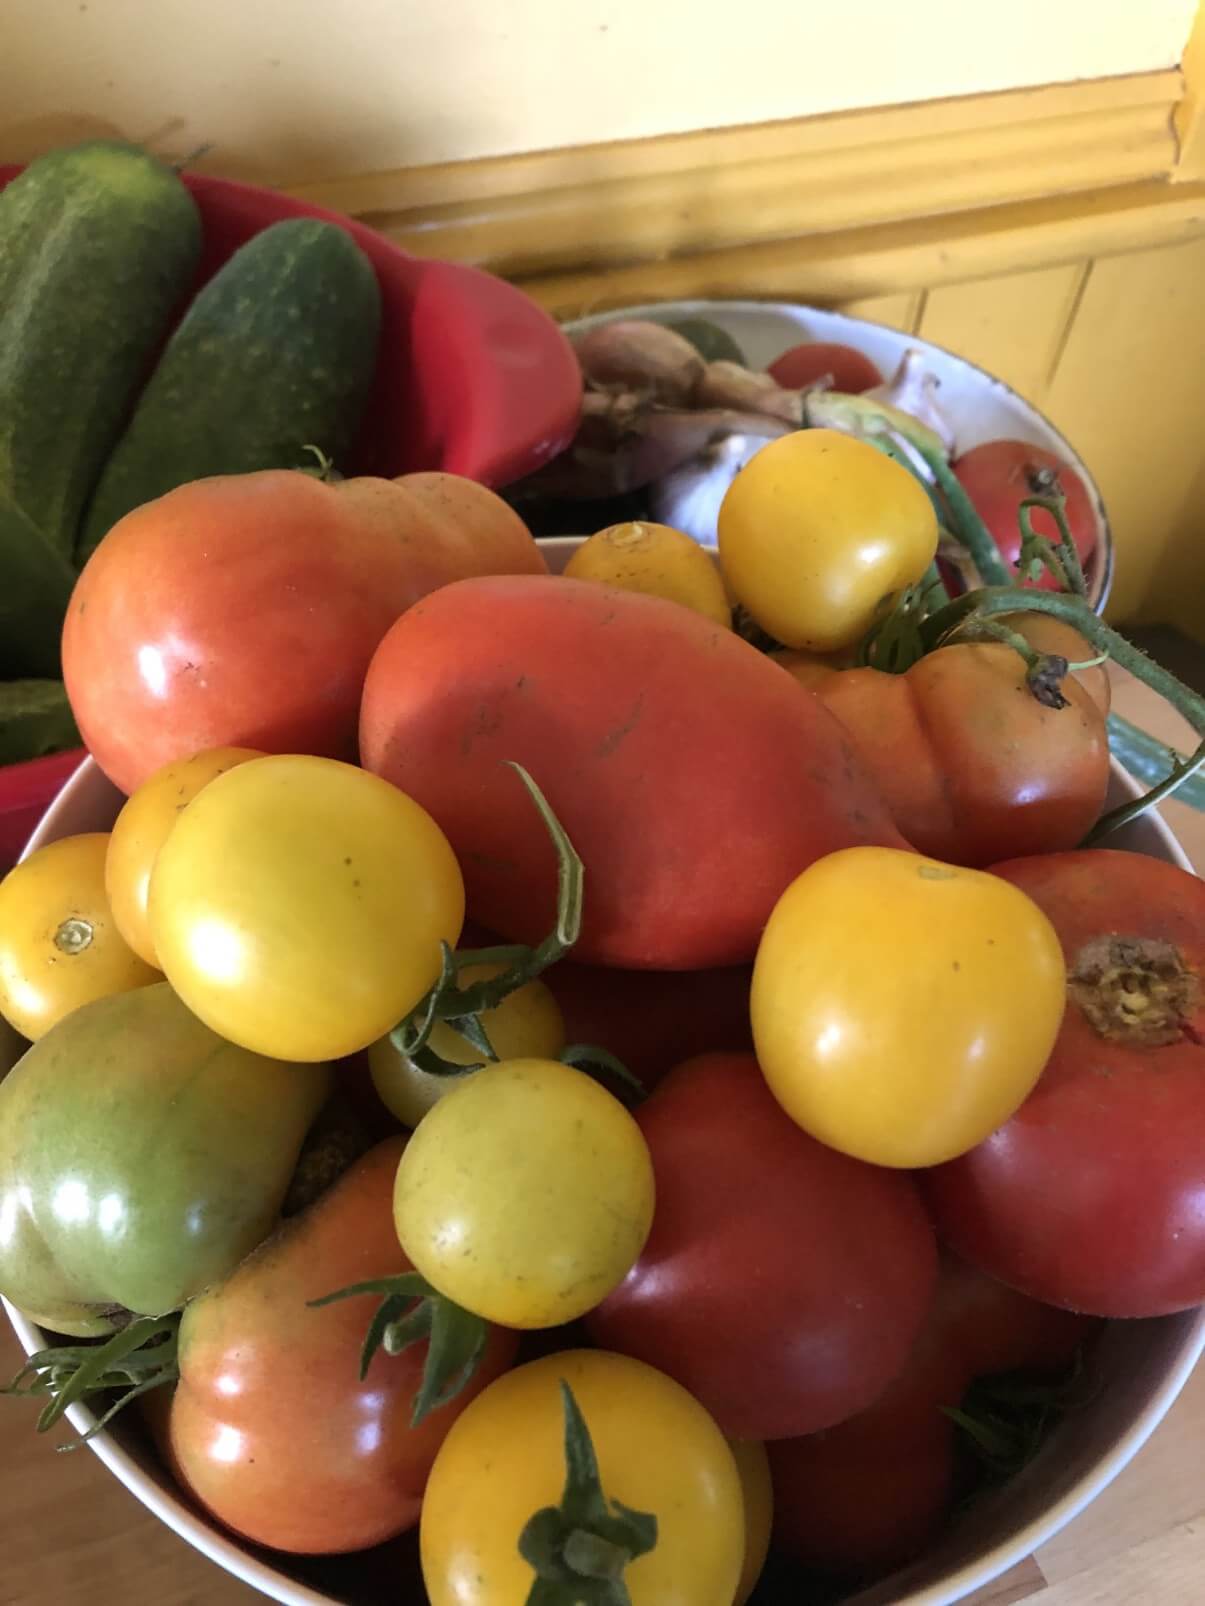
(98, 245)
(277, 353)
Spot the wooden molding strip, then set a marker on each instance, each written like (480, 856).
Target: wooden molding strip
(887, 258)
(640, 200)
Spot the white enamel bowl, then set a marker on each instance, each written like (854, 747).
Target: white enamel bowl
(979, 406)
(1143, 1366)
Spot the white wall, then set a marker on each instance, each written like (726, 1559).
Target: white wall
(292, 89)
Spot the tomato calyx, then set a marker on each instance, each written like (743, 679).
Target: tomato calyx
(138, 1358)
(412, 1312)
(1008, 1418)
(1134, 990)
(580, 1549)
(462, 1008)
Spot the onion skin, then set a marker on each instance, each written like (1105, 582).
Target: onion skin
(622, 446)
(647, 358)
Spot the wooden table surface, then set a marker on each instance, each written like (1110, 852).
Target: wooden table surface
(70, 1534)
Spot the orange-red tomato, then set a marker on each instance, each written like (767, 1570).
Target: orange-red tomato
(271, 1428)
(974, 768)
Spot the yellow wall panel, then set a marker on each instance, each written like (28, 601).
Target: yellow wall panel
(1129, 392)
(902, 311)
(1014, 325)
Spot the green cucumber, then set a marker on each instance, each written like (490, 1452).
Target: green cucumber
(1151, 761)
(35, 588)
(35, 719)
(711, 342)
(98, 244)
(274, 356)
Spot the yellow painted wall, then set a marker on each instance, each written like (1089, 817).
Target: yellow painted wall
(288, 91)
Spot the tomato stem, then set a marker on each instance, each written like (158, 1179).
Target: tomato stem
(413, 1312)
(1062, 560)
(580, 1549)
(140, 1357)
(461, 1007)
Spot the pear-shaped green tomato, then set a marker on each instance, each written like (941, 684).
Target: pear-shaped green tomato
(141, 1157)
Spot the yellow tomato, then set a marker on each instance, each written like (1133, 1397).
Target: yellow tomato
(527, 1024)
(526, 1195)
(658, 1452)
(298, 906)
(753, 1466)
(904, 1009)
(819, 532)
(59, 944)
(657, 560)
(142, 828)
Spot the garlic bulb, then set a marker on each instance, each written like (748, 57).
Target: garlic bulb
(913, 389)
(689, 498)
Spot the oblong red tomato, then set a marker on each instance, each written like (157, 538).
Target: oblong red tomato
(693, 778)
(270, 1426)
(973, 767)
(1090, 1196)
(783, 1283)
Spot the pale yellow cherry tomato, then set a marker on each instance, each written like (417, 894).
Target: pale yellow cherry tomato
(753, 1465)
(142, 828)
(299, 903)
(819, 532)
(903, 1009)
(527, 1024)
(59, 944)
(657, 560)
(526, 1194)
(658, 1452)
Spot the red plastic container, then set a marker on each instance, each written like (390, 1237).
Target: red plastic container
(473, 378)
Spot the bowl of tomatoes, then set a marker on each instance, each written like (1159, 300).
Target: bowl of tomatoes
(627, 1148)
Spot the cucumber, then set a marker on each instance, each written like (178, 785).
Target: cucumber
(98, 244)
(35, 719)
(1150, 760)
(35, 588)
(709, 340)
(276, 354)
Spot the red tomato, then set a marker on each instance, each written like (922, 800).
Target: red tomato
(783, 1283)
(999, 475)
(1090, 1196)
(692, 777)
(871, 1493)
(270, 1427)
(243, 610)
(973, 767)
(652, 1020)
(852, 371)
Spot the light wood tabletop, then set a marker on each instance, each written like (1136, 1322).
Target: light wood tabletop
(70, 1534)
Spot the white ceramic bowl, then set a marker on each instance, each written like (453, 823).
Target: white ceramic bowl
(979, 406)
(1142, 1366)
